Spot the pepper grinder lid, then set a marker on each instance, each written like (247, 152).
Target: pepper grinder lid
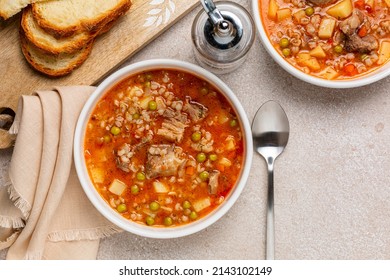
(222, 35)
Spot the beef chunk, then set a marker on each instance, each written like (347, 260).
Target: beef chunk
(364, 45)
(173, 126)
(213, 181)
(163, 160)
(353, 42)
(195, 110)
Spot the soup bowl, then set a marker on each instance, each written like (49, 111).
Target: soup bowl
(141, 228)
(361, 80)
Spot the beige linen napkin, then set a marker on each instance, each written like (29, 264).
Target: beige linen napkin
(44, 213)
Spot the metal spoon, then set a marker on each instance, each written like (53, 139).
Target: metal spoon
(270, 131)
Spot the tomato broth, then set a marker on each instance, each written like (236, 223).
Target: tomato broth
(163, 148)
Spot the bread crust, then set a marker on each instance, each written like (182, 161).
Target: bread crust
(8, 8)
(30, 52)
(92, 26)
(65, 45)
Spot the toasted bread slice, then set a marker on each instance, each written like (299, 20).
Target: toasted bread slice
(48, 43)
(65, 18)
(53, 65)
(8, 8)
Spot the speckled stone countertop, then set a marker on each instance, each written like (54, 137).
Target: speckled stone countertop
(332, 183)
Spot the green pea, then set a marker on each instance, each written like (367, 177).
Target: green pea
(201, 157)
(168, 221)
(149, 221)
(286, 52)
(338, 49)
(154, 206)
(204, 90)
(140, 176)
(136, 116)
(107, 139)
(134, 189)
(148, 77)
(147, 84)
(284, 42)
(121, 208)
(193, 215)
(233, 123)
(196, 136)
(204, 175)
(213, 157)
(152, 105)
(309, 11)
(186, 204)
(115, 130)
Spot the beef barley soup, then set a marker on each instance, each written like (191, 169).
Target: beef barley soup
(163, 148)
(329, 39)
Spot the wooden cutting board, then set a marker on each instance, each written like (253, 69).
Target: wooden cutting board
(144, 22)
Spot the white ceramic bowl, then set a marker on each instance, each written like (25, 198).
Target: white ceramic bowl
(97, 200)
(369, 78)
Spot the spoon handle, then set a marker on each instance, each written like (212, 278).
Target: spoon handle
(270, 237)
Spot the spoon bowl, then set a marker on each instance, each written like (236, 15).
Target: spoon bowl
(270, 131)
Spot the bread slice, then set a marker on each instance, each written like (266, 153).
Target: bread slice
(53, 65)
(48, 43)
(65, 18)
(8, 8)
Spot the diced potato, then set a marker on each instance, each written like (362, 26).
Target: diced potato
(160, 187)
(318, 52)
(144, 102)
(117, 187)
(384, 52)
(342, 9)
(329, 73)
(97, 175)
(305, 59)
(387, 3)
(326, 28)
(283, 14)
(230, 144)
(201, 204)
(272, 9)
(225, 162)
(299, 15)
(223, 118)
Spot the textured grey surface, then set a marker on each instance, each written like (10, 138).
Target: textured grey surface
(332, 183)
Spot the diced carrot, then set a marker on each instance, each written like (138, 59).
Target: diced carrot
(360, 4)
(220, 167)
(190, 170)
(362, 31)
(350, 70)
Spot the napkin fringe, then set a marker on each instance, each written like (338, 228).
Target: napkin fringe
(86, 234)
(9, 222)
(18, 201)
(34, 256)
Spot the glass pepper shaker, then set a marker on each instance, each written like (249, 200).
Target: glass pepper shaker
(222, 35)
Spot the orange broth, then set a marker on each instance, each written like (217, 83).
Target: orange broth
(333, 61)
(126, 128)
